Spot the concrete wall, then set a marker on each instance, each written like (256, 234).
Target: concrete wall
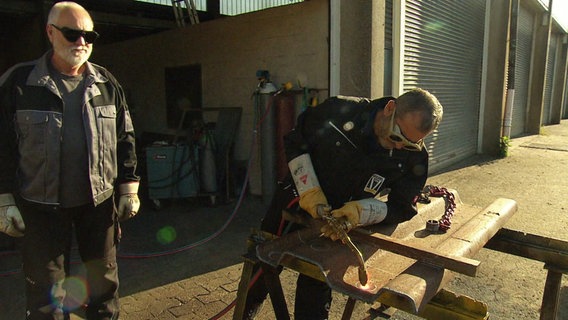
(496, 76)
(290, 41)
(559, 84)
(362, 38)
(538, 73)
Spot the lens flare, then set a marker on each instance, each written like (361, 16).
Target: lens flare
(75, 295)
(166, 235)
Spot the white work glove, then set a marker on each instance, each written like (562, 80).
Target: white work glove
(11, 222)
(362, 212)
(307, 184)
(128, 203)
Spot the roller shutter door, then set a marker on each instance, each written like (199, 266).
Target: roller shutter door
(443, 53)
(550, 66)
(388, 48)
(522, 70)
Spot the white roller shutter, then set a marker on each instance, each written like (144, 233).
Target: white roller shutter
(388, 48)
(443, 51)
(522, 70)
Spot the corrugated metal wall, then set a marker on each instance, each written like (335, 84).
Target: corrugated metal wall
(525, 30)
(388, 48)
(443, 53)
(233, 7)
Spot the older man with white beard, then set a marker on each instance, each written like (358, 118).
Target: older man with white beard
(66, 149)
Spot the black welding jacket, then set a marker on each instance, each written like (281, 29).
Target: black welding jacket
(349, 162)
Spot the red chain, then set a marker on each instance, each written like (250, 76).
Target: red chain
(450, 199)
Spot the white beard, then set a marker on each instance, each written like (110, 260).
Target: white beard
(74, 56)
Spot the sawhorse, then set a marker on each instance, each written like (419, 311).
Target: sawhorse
(271, 277)
(409, 268)
(554, 254)
(460, 305)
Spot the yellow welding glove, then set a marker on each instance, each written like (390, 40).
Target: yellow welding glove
(307, 184)
(11, 221)
(128, 203)
(357, 213)
(311, 199)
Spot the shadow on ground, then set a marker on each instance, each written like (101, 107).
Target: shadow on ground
(185, 238)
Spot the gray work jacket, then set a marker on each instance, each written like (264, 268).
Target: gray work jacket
(31, 122)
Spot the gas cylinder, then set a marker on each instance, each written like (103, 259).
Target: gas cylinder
(207, 168)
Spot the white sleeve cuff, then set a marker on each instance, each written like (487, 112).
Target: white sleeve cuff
(127, 188)
(7, 199)
(372, 211)
(303, 173)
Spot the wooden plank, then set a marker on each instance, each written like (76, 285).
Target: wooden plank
(462, 265)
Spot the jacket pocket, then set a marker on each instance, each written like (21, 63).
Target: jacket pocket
(106, 124)
(107, 141)
(39, 135)
(32, 124)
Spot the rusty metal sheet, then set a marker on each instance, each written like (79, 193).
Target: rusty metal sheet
(394, 279)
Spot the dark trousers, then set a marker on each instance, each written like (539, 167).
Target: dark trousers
(50, 292)
(313, 297)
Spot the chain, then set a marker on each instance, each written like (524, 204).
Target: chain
(435, 191)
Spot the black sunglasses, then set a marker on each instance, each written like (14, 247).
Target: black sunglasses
(72, 35)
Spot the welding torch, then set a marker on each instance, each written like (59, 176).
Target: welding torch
(340, 227)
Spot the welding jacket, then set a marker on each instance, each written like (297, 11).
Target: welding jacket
(31, 122)
(348, 160)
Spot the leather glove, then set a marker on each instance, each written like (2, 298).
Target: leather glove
(357, 213)
(311, 200)
(128, 203)
(348, 214)
(11, 222)
(307, 184)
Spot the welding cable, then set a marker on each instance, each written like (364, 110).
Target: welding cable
(259, 271)
(256, 127)
(177, 250)
(280, 231)
(210, 237)
(202, 241)
(234, 302)
(183, 248)
(8, 273)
